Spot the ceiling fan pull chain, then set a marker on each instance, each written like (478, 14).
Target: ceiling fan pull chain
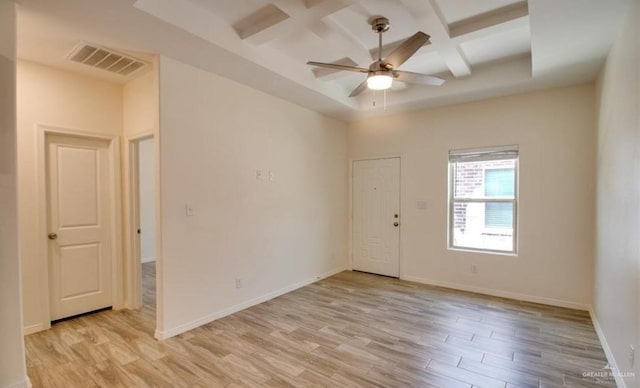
(374, 98)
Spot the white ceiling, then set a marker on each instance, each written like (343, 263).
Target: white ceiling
(482, 48)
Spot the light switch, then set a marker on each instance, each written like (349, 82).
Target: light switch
(259, 175)
(188, 209)
(421, 205)
(272, 176)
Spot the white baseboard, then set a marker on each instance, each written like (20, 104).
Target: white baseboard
(26, 383)
(499, 293)
(607, 350)
(34, 328)
(165, 334)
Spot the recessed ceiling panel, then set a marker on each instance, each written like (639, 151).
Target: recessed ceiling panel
(232, 11)
(351, 80)
(497, 46)
(457, 10)
(356, 21)
(427, 63)
(304, 46)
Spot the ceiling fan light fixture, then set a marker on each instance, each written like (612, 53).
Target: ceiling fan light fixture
(381, 73)
(379, 80)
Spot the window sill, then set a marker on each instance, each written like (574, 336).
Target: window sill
(483, 251)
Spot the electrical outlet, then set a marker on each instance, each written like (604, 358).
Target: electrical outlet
(272, 176)
(474, 268)
(238, 283)
(632, 355)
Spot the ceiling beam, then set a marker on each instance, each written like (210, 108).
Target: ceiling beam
(455, 61)
(284, 17)
(430, 19)
(446, 38)
(327, 74)
(489, 19)
(341, 42)
(263, 25)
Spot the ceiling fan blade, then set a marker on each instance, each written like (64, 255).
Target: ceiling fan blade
(339, 67)
(417, 78)
(409, 47)
(361, 88)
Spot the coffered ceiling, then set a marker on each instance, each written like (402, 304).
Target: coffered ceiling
(482, 48)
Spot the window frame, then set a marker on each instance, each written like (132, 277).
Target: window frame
(514, 201)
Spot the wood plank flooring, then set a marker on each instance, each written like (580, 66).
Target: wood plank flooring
(350, 330)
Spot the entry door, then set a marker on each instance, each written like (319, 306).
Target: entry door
(79, 222)
(376, 216)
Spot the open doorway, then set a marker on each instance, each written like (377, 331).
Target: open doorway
(142, 157)
(147, 219)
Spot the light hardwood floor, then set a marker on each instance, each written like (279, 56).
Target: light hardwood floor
(350, 330)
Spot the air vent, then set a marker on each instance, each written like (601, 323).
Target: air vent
(105, 59)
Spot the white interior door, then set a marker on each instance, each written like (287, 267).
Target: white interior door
(376, 216)
(79, 222)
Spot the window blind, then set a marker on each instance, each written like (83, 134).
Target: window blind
(483, 154)
(498, 215)
(499, 182)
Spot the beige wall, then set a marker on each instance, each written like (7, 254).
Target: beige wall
(617, 266)
(274, 235)
(556, 134)
(140, 104)
(12, 365)
(62, 99)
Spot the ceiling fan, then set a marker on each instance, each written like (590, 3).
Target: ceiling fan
(381, 73)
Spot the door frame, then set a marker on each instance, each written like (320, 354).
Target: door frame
(116, 214)
(362, 159)
(132, 212)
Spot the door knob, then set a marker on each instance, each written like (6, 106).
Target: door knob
(396, 224)
(53, 236)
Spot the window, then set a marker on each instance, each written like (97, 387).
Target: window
(483, 197)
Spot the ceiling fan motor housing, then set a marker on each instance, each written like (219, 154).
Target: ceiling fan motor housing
(380, 66)
(380, 24)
